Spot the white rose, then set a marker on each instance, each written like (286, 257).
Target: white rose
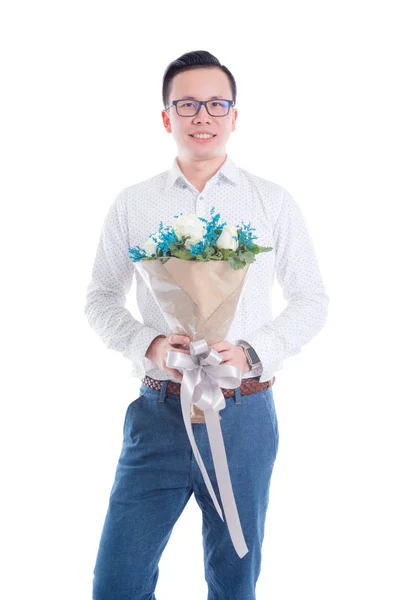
(226, 240)
(189, 225)
(150, 246)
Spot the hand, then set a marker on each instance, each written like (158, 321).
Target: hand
(159, 348)
(232, 355)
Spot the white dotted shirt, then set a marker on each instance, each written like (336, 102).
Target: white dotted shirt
(238, 196)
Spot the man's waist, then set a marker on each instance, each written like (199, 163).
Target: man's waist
(248, 385)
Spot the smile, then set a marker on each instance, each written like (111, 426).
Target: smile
(202, 137)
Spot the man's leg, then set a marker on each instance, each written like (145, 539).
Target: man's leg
(151, 489)
(250, 431)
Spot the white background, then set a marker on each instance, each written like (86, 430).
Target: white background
(81, 119)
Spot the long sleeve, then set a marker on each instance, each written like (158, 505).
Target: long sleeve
(298, 273)
(106, 294)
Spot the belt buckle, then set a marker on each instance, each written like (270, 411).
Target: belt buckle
(197, 415)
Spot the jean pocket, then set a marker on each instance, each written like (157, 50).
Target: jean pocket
(128, 417)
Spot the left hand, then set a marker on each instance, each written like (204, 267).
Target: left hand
(232, 355)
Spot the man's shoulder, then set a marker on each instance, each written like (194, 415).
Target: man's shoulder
(149, 185)
(261, 182)
(269, 192)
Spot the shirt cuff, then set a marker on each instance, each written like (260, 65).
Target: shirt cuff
(262, 340)
(142, 340)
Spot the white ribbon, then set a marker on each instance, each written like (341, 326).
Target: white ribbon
(201, 384)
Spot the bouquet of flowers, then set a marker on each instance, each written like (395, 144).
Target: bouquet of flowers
(197, 270)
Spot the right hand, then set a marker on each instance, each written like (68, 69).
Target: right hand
(159, 348)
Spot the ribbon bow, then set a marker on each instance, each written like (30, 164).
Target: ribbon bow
(201, 384)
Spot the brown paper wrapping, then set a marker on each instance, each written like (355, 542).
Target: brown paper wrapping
(197, 299)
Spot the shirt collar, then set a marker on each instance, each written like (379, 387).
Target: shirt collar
(227, 170)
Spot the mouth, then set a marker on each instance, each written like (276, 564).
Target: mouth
(202, 139)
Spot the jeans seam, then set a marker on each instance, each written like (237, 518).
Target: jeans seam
(273, 423)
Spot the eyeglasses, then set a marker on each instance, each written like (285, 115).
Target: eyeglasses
(190, 108)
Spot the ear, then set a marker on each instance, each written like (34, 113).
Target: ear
(166, 121)
(234, 117)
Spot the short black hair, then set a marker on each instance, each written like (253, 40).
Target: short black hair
(198, 59)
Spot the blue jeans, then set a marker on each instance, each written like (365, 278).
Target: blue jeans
(157, 474)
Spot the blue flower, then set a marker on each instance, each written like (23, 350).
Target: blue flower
(245, 235)
(137, 253)
(166, 236)
(211, 235)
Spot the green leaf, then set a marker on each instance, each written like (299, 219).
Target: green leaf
(236, 263)
(249, 257)
(226, 253)
(183, 254)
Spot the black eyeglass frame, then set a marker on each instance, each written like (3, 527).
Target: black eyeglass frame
(199, 103)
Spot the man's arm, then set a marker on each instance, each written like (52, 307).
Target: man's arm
(106, 293)
(298, 273)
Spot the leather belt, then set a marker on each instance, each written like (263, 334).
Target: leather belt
(247, 386)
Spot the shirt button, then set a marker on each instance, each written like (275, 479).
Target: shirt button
(201, 197)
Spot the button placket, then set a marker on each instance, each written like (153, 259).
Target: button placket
(200, 204)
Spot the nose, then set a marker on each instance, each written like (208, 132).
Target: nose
(201, 114)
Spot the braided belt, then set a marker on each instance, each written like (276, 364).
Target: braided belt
(247, 386)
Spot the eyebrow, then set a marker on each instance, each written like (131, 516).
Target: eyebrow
(193, 98)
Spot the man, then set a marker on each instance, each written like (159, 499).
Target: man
(157, 472)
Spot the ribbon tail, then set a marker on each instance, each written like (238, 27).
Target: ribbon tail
(186, 398)
(224, 482)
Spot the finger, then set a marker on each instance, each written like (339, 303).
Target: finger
(180, 339)
(179, 348)
(222, 352)
(221, 346)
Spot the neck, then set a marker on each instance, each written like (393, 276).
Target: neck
(198, 172)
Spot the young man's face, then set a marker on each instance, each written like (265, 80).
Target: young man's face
(201, 84)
